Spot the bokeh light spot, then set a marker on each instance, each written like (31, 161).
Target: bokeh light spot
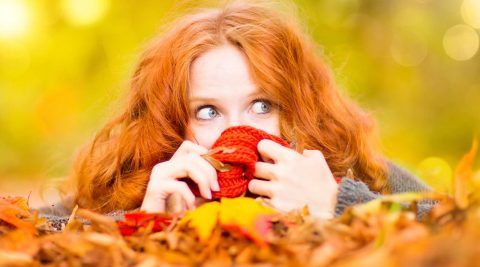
(471, 12)
(460, 42)
(85, 12)
(436, 172)
(14, 18)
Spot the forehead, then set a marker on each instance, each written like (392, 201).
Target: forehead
(220, 69)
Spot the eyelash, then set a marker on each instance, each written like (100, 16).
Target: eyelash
(251, 103)
(261, 99)
(202, 107)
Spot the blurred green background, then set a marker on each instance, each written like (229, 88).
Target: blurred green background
(64, 65)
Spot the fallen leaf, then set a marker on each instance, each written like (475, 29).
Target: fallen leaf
(11, 212)
(203, 219)
(463, 173)
(247, 215)
(133, 222)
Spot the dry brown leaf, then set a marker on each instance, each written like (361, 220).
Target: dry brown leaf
(381, 233)
(218, 165)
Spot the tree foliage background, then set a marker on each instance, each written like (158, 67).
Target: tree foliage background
(64, 64)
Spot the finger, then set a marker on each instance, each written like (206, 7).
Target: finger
(187, 168)
(278, 153)
(265, 171)
(259, 187)
(200, 178)
(265, 201)
(209, 172)
(156, 201)
(174, 203)
(181, 188)
(200, 201)
(188, 147)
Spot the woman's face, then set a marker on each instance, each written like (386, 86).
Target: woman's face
(222, 95)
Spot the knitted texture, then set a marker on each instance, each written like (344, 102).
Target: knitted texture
(236, 147)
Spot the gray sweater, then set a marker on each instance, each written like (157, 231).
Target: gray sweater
(399, 180)
(350, 193)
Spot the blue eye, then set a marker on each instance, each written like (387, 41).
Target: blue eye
(206, 113)
(261, 106)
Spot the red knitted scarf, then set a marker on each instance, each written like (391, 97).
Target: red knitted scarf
(234, 155)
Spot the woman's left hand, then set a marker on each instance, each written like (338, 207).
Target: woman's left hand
(294, 180)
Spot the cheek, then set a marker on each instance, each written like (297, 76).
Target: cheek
(270, 125)
(203, 136)
(275, 124)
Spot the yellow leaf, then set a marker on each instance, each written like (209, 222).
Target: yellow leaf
(413, 196)
(244, 214)
(247, 215)
(375, 206)
(463, 173)
(203, 219)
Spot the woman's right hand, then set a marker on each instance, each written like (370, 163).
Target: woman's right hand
(186, 162)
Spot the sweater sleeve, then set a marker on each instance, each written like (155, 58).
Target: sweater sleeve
(352, 192)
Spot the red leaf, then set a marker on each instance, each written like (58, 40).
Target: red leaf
(134, 221)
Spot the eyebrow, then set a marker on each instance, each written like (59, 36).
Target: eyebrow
(212, 99)
(202, 99)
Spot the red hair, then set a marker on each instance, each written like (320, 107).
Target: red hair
(112, 172)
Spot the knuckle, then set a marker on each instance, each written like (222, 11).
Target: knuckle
(182, 185)
(204, 184)
(187, 160)
(158, 168)
(187, 143)
(291, 157)
(158, 187)
(274, 188)
(317, 153)
(252, 184)
(191, 157)
(262, 143)
(314, 153)
(192, 148)
(213, 175)
(276, 172)
(185, 146)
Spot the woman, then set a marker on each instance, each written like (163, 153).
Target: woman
(243, 64)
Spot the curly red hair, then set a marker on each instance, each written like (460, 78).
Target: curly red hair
(112, 172)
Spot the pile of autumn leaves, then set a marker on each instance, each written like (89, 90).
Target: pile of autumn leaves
(243, 232)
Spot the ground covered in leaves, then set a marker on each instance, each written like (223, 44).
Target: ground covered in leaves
(243, 232)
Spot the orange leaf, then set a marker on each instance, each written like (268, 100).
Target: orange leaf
(463, 173)
(11, 212)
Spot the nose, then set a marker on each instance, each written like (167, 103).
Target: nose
(235, 120)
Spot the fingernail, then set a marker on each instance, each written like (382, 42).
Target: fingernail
(209, 194)
(216, 187)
